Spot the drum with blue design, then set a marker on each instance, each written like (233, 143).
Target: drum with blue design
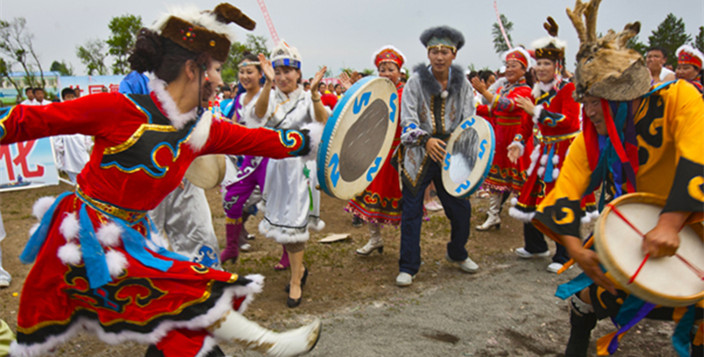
(469, 153)
(357, 137)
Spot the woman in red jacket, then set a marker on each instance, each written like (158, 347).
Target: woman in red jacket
(510, 123)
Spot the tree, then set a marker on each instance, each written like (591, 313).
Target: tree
(92, 54)
(16, 46)
(62, 68)
(5, 70)
(500, 45)
(669, 35)
(254, 44)
(124, 32)
(634, 44)
(699, 40)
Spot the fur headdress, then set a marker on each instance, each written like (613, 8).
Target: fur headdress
(442, 36)
(521, 55)
(550, 47)
(388, 53)
(203, 31)
(606, 68)
(687, 54)
(285, 55)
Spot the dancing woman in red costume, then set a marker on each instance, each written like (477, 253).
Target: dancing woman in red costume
(99, 265)
(380, 203)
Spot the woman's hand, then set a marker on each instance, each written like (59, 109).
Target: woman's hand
(345, 80)
(317, 78)
(478, 85)
(267, 68)
(435, 149)
(514, 153)
(526, 104)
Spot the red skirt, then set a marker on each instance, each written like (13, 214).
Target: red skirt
(381, 201)
(141, 303)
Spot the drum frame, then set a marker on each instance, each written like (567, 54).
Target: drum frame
(614, 271)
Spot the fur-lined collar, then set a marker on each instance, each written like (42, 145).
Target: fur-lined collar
(178, 119)
(431, 84)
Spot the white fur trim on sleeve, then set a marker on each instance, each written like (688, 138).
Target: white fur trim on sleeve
(69, 227)
(109, 234)
(520, 215)
(536, 113)
(70, 254)
(117, 263)
(42, 205)
(315, 132)
(518, 144)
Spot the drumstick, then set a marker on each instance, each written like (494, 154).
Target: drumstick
(696, 270)
(588, 244)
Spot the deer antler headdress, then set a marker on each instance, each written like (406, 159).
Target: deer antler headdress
(606, 68)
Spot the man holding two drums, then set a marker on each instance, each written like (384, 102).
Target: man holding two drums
(436, 99)
(635, 139)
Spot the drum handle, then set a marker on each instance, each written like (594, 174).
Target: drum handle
(696, 270)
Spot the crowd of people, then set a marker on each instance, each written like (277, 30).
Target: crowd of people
(559, 139)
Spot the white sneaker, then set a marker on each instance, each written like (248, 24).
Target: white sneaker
(4, 283)
(246, 247)
(467, 265)
(433, 206)
(404, 279)
(523, 253)
(554, 267)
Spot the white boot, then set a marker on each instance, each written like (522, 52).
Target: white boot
(375, 241)
(296, 342)
(492, 219)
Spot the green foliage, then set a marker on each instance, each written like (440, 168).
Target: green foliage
(254, 45)
(367, 72)
(124, 32)
(699, 40)
(92, 54)
(16, 48)
(634, 44)
(500, 45)
(669, 35)
(62, 68)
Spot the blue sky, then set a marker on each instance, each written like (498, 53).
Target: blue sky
(345, 33)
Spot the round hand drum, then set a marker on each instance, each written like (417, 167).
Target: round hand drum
(357, 137)
(667, 281)
(206, 171)
(469, 154)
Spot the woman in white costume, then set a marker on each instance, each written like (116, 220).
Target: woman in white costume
(289, 193)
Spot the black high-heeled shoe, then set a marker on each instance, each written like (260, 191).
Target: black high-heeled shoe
(303, 281)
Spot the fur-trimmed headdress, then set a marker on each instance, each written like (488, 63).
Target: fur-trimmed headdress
(687, 54)
(203, 31)
(606, 68)
(388, 53)
(284, 55)
(550, 47)
(521, 55)
(442, 36)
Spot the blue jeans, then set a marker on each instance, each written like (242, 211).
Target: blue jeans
(458, 211)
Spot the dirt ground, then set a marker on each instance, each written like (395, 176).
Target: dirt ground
(342, 287)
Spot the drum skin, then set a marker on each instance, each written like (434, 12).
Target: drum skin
(665, 281)
(469, 153)
(206, 171)
(357, 137)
